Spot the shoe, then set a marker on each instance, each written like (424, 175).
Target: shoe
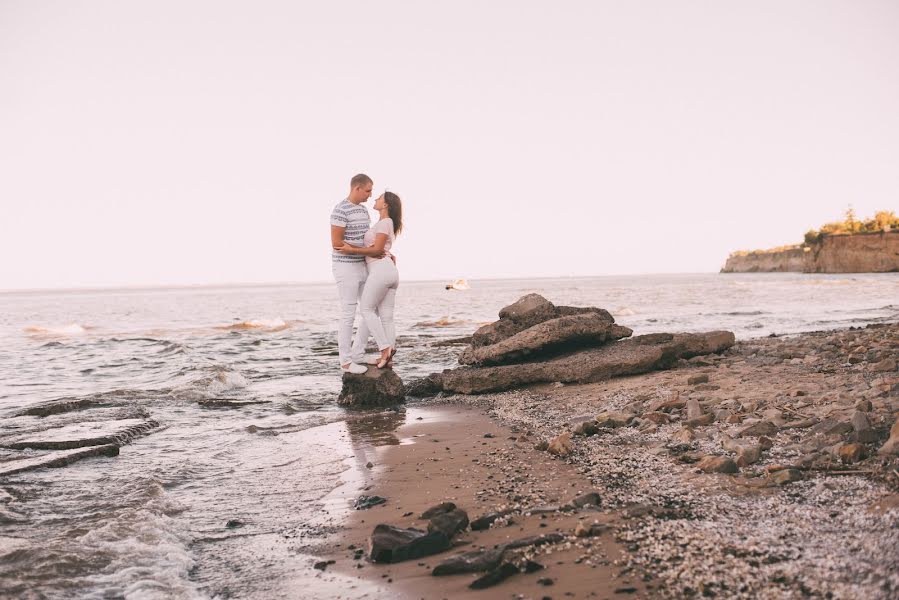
(372, 360)
(386, 361)
(354, 368)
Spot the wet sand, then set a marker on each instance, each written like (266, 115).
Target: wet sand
(457, 453)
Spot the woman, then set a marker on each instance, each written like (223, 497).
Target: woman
(379, 294)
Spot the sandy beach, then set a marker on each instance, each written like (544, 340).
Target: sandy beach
(809, 508)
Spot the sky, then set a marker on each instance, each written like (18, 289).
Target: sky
(198, 142)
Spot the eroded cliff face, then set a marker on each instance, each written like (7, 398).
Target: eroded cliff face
(858, 253)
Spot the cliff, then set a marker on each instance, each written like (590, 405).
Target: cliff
(835, 253)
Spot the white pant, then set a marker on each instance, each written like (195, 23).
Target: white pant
(378, 299)
(350, 278)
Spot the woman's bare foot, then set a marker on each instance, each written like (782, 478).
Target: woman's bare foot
(386, 355)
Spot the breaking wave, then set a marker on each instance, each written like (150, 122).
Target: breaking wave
(445, 322)
(70, 329)
(623, 311)
(259, 325)
(216, 381)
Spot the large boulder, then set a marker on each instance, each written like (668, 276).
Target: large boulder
(526, 312)
(375, 387)
(587, 329)
(627, 357)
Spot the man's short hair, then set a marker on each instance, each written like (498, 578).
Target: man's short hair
(360, 180)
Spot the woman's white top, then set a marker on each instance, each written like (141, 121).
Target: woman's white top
(384, 226)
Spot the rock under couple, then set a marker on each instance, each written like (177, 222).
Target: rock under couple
(366, 274)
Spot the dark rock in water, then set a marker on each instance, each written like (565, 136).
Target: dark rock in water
(476, 561)
(364, 502)
(439, 509)
(58, 458)
(59, 406)
(391, 544)
(585, 330)
(462, 341)
(79, 435)
(425, 387)
(487, 520)
(375, 387)
(234, 524)
(323, 564)
(449, 523)
(228, 402)
(529, 310)
(629, 357)
(497, 575)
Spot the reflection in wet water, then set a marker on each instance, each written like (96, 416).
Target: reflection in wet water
(371, 428)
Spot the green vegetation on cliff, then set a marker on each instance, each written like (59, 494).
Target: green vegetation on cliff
(882, 221)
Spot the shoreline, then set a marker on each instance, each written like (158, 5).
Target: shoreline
(830, 526)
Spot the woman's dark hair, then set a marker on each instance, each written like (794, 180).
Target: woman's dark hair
(394, 211)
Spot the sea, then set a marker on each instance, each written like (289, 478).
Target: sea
(230, 494)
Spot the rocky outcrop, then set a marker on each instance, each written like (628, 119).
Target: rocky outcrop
(588, 329)
(535, 341)
(58, 458)
(856, 253)
(375, 387)
(629, 357)
(79, 435)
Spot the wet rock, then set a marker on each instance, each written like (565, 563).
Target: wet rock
(530, 310)
(613, 419)
(389, 544)
(234, 524)
(884, 366)
(366, 502)
(439, 509)
(785, 476)
(852, 453)
(375, 387)
(717, 464)
(584, 330)
(628, 357)
(495, 576)
(228, 402)
(891, 446)
(485, 521)
(426, 386)
(697, 379)
(863, 432)
(588, 499)
(449, 523)
(56, 407)
(560, 445)
(758, 429)
(57, 458)
(589, 529)
(323, 564)
(475, 561)
(80, 435)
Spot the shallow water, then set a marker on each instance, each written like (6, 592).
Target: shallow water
(151, 523)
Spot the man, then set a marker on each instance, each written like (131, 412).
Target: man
(349, 223)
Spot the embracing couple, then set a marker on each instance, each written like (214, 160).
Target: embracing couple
(366, 274)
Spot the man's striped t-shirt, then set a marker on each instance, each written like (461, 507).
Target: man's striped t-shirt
(355, 220)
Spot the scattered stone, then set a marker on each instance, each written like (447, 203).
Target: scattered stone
(487, 520)
(758, 429)
(852, 453)
(613, 419)
(560, 445)
(586, 428)
(323, 564)
(234, 524)
(497, 575)
(588, 499)
(369, 465)
(891, 446)
(375, 387)
(785, 476)
(389, 544)
(656, 417)
(685, 435)
(589, 529)
(475, 561)
(706, 419)
(864, 406)
(884, 366)
(717, 464)
(449, 523)
(864, 433)
(365, 502)
(697, 379)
